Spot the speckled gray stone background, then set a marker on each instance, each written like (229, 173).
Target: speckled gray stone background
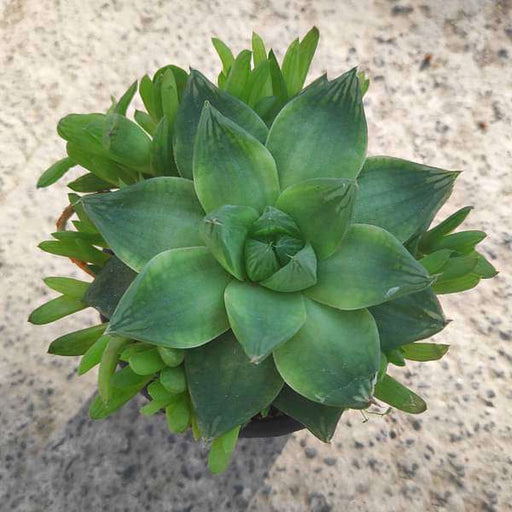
(59, 56)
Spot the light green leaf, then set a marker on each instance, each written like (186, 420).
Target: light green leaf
(55, 172)
(224, 231)
(239, 75)
(444, 228)
(146, 362)
(258, 85)
(225, 388)
(67, 286)
(435, 261)
(322, 362)
(322, 208)
(171, 356)
(176, 301)
(364, 82)
(89, 183)
(105, 292)
(178, 414)
(258, 49)
(55, 309)
(457, 266)
(391, 392)
(424, 351)
(146, 94)
(78, 249)
(92, 356)
(199, 90)
(169, 96)
(108, 364)
(125, 385)
(463, 242)
(225, 54)
(400, 196)
(321, 133)
(307, 49)
(410, 318)
(221, 451)
(370, 267)
(320, 420)
(262, 319)
(125, 100)
(173, 379)
(457, 284)
(126, 142)
(78, 342)
(298, 274)
(484, 269)
(145, 219)
(260, 260)
(231, 166)
(291, 69)
(90, 238)
(145, 121)
(162, 158)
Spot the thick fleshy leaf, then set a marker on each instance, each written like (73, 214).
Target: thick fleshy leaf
(334, 358)
(145, 219)
(260, 259)
(370, 267)
(146, 362)
(322, 208)
(424, 351)
(55, 309)
(226, 389)
(224, 231)
(221, 451)
(400, 196)
(178, 414)
(435, 261)
(391, 392)
(171, 356)
(298, 274)
(320, 420)
(78, 342)
(173, 379)
(176, 301)
(199, 89)
(414, 317)
(125, 384)
(92, 356)
(444, 228)
(55, 172)
(89, 183)
(108, 364)
(321, 133)
(105, 292)
(162, 159)
(273, 222)
(262, 319)
(231, 166)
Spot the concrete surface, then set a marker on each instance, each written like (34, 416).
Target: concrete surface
(60, 56)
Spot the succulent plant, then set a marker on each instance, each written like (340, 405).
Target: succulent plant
(254, 260)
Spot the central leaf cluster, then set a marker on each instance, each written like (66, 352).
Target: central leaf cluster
(269, 249)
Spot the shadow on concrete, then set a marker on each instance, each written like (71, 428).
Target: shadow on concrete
(131, 463)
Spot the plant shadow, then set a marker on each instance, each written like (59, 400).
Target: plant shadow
(128, 462)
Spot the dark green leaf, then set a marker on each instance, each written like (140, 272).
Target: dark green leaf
(262, 319)
(273, 222)
(320, 420)
(391, 392)
(78, 342)
(231, 166)
(224, 231)
(176, 301)
(55, 172)
(89, 183)
(162, 158)
(322, 208)
(279, 89)
(484, 269)
(225, 388)
(298, 274)
(321, 133)
(145, 219)
(125, 385)
(322, 362)
(370, 267)
(424, 351)
(199, 90)
(55, 309)
(400, 196)
(106, 290)
(395, 357)
(260, 260)
(410, 318)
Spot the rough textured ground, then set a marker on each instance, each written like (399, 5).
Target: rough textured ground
(61, 56)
